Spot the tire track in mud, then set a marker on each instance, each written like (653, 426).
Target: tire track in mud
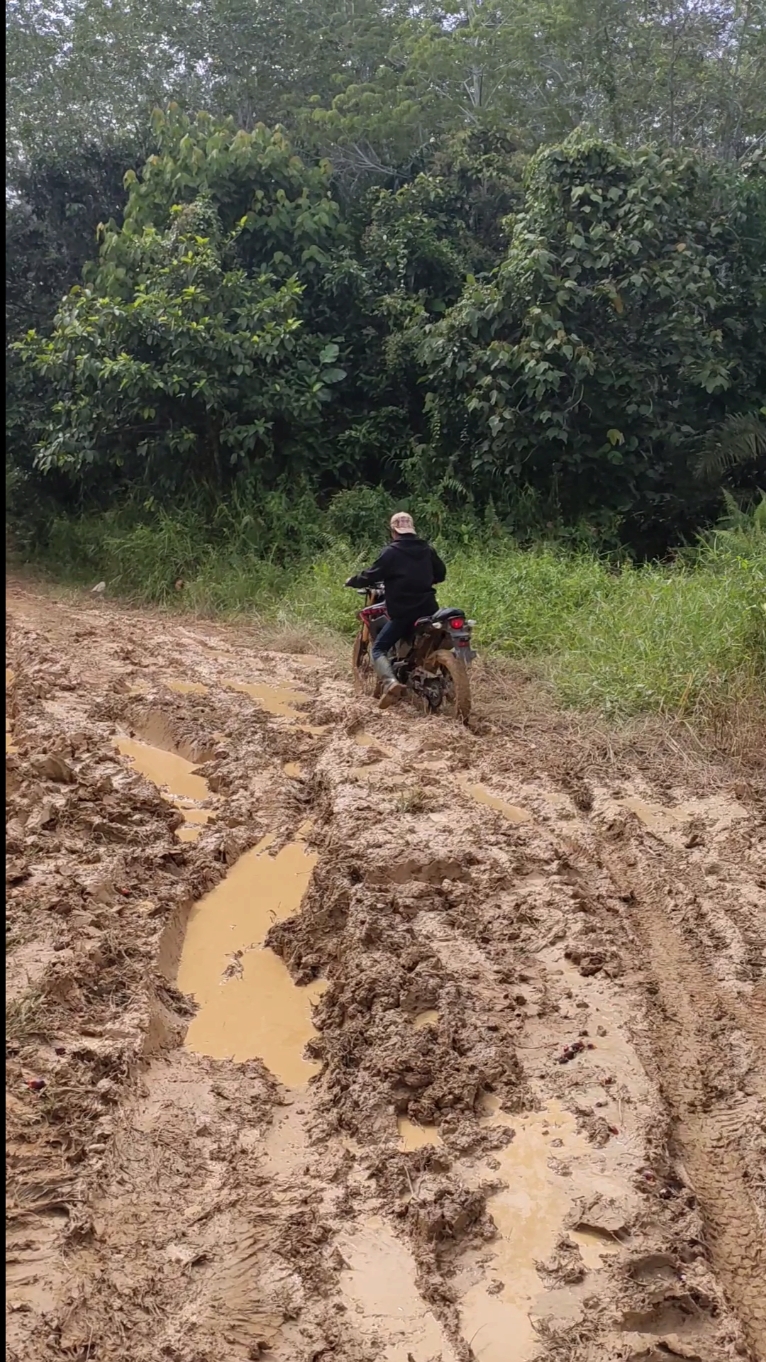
(714, 1120)
(448, 1143)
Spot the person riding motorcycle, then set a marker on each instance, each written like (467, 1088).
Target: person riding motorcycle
(409, 569)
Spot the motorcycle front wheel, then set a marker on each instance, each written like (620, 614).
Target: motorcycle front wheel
(366, 680)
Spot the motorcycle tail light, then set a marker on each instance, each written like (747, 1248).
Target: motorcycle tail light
(456, 624)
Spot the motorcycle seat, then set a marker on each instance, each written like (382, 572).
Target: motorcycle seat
(441, 616)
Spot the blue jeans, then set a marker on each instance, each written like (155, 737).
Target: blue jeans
(389, 635)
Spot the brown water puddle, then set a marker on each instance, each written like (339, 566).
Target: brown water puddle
(175, 774)
(529, 1215)
(653, 816)
(293, 770)
(378, 1286)
(414, 1136)
(187, 687)
(195, 821)
(363, 739)
(513, 812)
(249, 1005)
(716, 811)
(278, 700)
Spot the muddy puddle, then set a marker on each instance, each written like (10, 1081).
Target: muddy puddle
(513, 812)
(653, 816)
(249, 1006)
(278, 700)
(373, 745)
(187, 687)
(718, 812)
(378, 1289)
(414, 1136)
(175, 774)
(281, 701)
(502, 1303)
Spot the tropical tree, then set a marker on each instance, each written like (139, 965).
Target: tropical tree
(628, 317)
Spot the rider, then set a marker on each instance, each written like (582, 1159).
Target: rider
(409, 568)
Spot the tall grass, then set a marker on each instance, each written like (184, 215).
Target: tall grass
(675, 639)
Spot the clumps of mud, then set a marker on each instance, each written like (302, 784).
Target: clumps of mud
(95, 878)
(378, 1064)
(92, 876)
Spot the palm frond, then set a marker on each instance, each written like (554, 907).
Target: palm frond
(738, 441)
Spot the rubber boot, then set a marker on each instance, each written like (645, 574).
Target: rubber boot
(393, 690)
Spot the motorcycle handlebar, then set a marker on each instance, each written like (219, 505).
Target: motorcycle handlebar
(365, 590)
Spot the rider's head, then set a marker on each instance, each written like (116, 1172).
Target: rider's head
(402, 523)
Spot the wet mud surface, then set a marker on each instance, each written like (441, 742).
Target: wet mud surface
(334, 1034)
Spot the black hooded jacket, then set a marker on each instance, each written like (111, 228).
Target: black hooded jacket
(409, 569)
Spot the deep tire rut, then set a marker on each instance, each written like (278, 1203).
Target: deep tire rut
(712, 1130)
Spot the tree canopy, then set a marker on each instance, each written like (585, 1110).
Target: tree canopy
(509, 254)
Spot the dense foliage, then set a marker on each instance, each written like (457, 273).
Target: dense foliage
(508, 260)
(627, 318)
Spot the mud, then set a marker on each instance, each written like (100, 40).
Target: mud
(248, 1005)
(334, 1034)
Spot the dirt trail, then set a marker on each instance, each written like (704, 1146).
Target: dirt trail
(343, 1035)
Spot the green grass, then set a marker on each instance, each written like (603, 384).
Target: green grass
(649, 639)
(678, 640)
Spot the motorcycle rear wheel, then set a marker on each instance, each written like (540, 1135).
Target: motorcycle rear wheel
(365, 679)
(456, 703)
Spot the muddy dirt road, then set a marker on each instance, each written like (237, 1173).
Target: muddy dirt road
(343, 1035)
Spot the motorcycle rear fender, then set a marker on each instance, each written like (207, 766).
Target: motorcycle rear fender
(464, 652)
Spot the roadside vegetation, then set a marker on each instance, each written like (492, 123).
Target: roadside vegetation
(685, 637)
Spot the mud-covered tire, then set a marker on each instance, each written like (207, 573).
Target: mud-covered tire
(365, 680)
(457, 698)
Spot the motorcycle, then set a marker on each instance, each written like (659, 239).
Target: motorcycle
(432, 661)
